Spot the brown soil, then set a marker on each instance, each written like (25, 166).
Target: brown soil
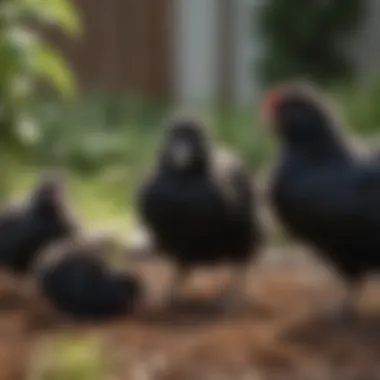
(280, 333)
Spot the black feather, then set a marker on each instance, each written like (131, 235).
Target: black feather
(25, 230)
(323, 192)
(75, 279)
(204, 212)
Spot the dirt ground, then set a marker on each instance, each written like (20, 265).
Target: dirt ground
(280, 334)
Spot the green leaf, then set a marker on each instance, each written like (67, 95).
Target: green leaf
(308, 45)
(50, 65)
(60, 13)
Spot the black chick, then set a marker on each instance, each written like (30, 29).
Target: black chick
(321, 191)
(75, 279)
(199, 207)
(27, 229)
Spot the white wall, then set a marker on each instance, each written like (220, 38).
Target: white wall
(195, 50)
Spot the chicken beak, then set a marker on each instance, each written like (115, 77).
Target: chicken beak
(181, 153)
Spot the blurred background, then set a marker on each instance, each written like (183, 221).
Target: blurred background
(85, 86)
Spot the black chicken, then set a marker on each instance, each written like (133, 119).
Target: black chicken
(27, 229)
(75, 279)
(199, 206)
(321, 191)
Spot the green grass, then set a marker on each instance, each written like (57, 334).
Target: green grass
(99, 203)
(69, 358)
(108, 143)
(98, 132)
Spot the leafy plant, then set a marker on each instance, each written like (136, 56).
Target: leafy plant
(307, 38)
(26, 60)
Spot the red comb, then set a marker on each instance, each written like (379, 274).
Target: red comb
(271, 101)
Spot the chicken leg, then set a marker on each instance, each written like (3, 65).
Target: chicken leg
(232, 300)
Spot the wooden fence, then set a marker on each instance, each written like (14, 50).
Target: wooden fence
(125, 47)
